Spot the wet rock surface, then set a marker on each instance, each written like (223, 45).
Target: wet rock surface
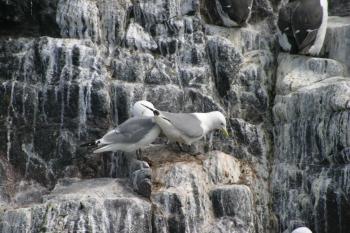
(99, 205)
(339, 7)
(180, 200)
(234, 201)
(337, 39)
(310, 174)
(71, 70)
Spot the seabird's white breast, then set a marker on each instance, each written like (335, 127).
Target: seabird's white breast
(321, 34)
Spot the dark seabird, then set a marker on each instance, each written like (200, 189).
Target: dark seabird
(302, 26)
(234, 12)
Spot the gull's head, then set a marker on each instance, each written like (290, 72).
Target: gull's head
(139, 109)
(219, 122)
(302, 230)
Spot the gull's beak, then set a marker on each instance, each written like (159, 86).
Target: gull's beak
(224, 132)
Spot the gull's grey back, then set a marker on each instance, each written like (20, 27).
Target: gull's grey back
(187, 123)
(130, 131)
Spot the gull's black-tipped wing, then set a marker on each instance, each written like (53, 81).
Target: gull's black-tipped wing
(130, 131)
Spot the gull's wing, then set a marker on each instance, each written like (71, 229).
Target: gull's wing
(186, 123)
(130, 131)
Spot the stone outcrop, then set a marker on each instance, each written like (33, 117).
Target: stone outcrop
(337, 39)
(186, 191)
(99, 205)
(339, 7)
(310, 175)
(310, 171)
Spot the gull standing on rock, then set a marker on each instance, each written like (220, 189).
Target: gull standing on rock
(188, 127)
(133, 134)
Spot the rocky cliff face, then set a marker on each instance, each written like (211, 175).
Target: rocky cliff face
(310, 173)
(70, 70)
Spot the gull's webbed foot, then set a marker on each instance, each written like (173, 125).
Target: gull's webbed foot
(180, 147)
(189, 149)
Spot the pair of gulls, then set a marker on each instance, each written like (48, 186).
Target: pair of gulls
(148, 122)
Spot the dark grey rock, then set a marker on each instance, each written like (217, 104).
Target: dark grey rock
(137, 38)
(182, 186)
(141, 178)
(336, 45)
(310, 145)
(235, 201)
(176, 221)
(52, 97)
(29, 193)
(295, 72)
(142, 182)
(101, 205)
(227, 224)
(339, 7)
(28, 18)
(158, 75)
(133, 68)
(100, 21)
(225, 62)
(194, 77)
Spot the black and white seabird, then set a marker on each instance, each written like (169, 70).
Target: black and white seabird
(302, 26)
(234, 12)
